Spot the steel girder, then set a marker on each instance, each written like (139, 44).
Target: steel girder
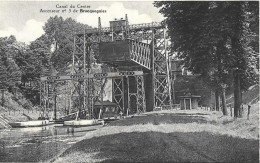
(141, 103)
(81, 94)
(122, 94)
(47, 94)
(161, 76)
(148, 44)
(118, 93)
(155, 35)
(153, 57)
(140, 53)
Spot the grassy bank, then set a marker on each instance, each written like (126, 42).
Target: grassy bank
(18, 108)
(14, 107)
(175, 136)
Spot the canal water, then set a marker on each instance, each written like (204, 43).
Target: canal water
(38, 143)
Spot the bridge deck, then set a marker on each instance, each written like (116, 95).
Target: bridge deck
(126, 52)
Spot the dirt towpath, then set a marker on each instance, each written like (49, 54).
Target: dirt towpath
(162, 137)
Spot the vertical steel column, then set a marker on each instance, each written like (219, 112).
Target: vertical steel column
(128, 96)
(43, 94)
(131, 93)
(141, 104)
(51, 95)
(89, 84)
(153, 67)
(83, 95)
(127, 27)
(118, 92)
(162, 95)
(46, 96)
(90, 97)
(79, 67)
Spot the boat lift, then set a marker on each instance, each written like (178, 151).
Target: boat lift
(134, 57)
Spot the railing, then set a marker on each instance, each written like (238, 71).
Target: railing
(131, 27)
(140, 53)
(145, 25)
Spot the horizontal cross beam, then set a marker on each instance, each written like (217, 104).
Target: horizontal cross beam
(88, 76)
(145, 26)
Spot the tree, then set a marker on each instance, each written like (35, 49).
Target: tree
(243, 65)
(209, 36)
(60, 32)
(9, 71)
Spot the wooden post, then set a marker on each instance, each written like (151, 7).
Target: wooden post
(248, 112)
(102, 99)
(184, 103)
(55, 106)
(3, 99)
(190, 104)
(66, 100)
(100, 111)
(77, 115)
(70, 103)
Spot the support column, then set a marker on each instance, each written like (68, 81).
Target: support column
(184, 101)
(141, 107)
(128, 97)
(55, 106)
(149, 91)
(118, 92)
(160, 69)
(190, 104)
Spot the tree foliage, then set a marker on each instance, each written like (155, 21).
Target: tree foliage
(10, 72)
(60, 34)
(23, 65)
(218, 40)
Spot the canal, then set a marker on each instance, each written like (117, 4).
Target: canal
(38, 143)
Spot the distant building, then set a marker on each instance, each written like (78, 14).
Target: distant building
(184, 82)
(177, 69)
(189, 101)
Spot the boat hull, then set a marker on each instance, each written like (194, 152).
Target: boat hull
(30, 123)
(84, 122)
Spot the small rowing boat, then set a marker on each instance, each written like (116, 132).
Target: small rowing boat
(36, 123)
(84, 122)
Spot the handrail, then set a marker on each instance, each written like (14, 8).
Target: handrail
(131, 27)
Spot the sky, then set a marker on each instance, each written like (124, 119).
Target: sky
(24, 20)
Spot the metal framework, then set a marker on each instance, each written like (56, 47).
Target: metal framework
(81, 66)
(141, 107)
(148, 49)
(118, 92)
(140, 53)
(161, 74)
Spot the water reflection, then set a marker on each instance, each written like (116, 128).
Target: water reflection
(38, 143)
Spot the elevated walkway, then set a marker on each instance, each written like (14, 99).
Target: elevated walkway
(126, 53)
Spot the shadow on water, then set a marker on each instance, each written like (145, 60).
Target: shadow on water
(37, 143)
